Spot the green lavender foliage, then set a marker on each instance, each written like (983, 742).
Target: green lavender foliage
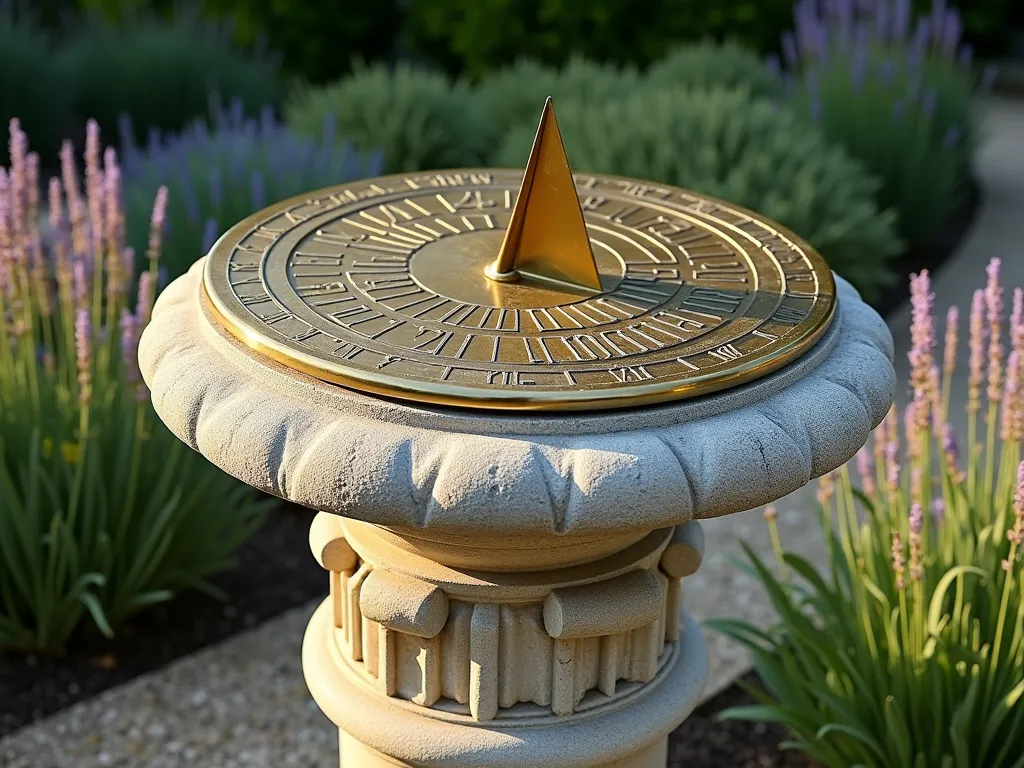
(708, 64)
(221, 171)
(162, 72)
(419, 120)
(514, 95)
(907, 648)
(103, 512)
(752, 152)
(897, 94)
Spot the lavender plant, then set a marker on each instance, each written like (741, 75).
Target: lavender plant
(908, 650)
(103, 511)
(218, 174)
(897, 93)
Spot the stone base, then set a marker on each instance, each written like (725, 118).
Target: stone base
(357, 755)
(379, 730)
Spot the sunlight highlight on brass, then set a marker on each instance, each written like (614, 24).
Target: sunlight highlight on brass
(547, 237)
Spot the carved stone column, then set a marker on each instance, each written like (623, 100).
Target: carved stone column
(505, 590)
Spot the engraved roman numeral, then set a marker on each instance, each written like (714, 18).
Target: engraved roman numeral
(790, 315)
(726, 353)
(434, 341)
(712, 300)
(509, 378)
(630, 373)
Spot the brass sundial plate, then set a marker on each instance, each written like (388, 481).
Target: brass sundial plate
(379, 286)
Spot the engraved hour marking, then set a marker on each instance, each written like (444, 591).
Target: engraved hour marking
(437, 340)
(726, 353)
(464, 346)
(630, 373)
(683, 361)
(712, 300)
(790, 316)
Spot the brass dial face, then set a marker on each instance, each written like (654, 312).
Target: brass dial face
(380, 286)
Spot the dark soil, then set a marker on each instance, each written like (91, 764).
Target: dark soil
(704, 741)
(276, 572)
(947, 240)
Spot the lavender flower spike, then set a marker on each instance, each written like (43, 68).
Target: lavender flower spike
(976, 340)
(952, 338)
(994, 314)
(898, 561)
(1016, 533)
(83, 354)
(916, 524)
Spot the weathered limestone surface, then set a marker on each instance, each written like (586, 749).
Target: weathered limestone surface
(507, 590)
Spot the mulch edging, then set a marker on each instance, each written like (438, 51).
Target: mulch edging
(276, 572)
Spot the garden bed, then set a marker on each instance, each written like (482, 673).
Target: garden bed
(276, 572)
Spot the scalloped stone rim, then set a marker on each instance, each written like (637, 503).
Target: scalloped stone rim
(399, 465)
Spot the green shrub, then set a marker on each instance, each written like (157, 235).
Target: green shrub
(515, 95)
(103, 511)
(218, 176)
(708, 64)
(161, 72)
(30, 86)
(908, 648)
(475, 36)
(751, 152)
(419, 120)
(900, 100)
(316, 43)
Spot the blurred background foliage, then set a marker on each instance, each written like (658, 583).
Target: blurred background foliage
(445, 83)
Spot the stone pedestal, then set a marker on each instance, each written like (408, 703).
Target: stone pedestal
(505, 589)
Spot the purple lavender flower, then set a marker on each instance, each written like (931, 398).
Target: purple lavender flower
(939, 511)
(994, 314)
(80, 283)
(898, 562)
(922, 341)
(952, 337)
(129, 347)
(144, 303)
(892, 466)
(1012, 426)
(951, 453)
(83, 354)
(156, 224)
(901, 19)
(976, 341)
(826, 489)
(866, 471)
(916, 524)
(1017, 321)
(952, 28)
(1016, 532)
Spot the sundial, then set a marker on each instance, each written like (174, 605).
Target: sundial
(452, 368)
(500, 289)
